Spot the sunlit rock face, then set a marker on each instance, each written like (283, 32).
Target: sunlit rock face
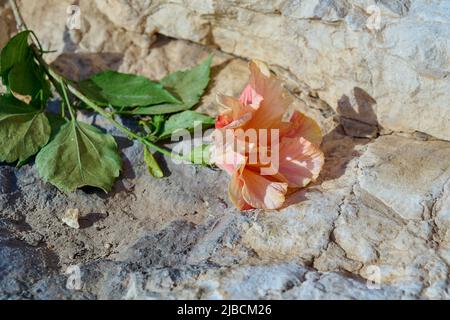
(400, 61)
(375, 225)
(332, 47)
(403, 64)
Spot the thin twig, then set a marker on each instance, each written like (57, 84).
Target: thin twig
(20, 23)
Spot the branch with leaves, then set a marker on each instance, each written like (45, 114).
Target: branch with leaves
(69, 153)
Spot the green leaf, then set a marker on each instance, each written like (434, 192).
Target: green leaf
(26, 78)
(191, 84)
(15, 51)
(56, 123)
(153, 126)
(80, 155)
(159, 109)
(185, 120)
(152, 165)
(125, 90)
(23, 130)
(158, 122)
(200, 155)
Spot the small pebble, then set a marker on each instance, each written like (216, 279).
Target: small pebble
(108, 245)
(71, 218)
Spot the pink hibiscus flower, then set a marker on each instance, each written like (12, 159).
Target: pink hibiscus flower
(253, 130)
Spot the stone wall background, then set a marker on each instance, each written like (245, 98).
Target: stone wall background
(324, 47)
(379, 211)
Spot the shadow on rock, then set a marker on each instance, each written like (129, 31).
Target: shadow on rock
(339, 150)
(357, 114)
(22, 268)
(215, 71)
(90, 219)
(79, 66)
(358, 125)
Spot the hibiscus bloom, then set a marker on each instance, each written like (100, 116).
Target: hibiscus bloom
(260, 112)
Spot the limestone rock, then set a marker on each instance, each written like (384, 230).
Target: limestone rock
(376, 225)
(329, 47)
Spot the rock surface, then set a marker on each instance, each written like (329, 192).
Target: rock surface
(401, 63)
(375, 226)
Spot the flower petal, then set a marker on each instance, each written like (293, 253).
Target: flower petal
(300, 162)
(275, 101)
(223, 153)
(250, 97)
(237, 108)
(223, 120)
(262, 193)
(235, 192)
(240, 122)
(301, 125)
(237, 114)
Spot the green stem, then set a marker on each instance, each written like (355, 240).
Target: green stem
(36, 40)
(18, 17)
(109, 116)
(67, 101)
(63, 110)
